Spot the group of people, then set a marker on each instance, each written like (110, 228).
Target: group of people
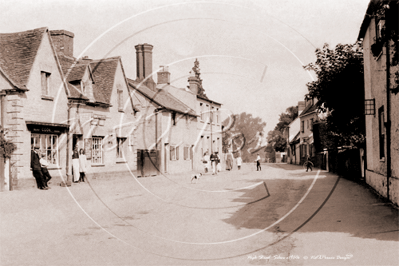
(41, 174)
(78, 165)
(39, 169)
(213, 161)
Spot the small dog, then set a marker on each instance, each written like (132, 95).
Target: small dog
(196, 177)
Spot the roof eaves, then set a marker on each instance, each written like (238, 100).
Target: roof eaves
(366, 21)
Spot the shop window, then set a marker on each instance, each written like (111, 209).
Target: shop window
(97, 150)
(120, 148)
(45, 77)
(48, 146)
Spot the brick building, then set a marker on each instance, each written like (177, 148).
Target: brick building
(381, 98)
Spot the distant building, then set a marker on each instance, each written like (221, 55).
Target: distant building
(307, 117)
(292, 134)
(381, 104)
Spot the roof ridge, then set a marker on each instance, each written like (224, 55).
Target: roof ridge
(26, 31)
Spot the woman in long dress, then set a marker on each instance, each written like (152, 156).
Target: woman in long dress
(229, 161)
(206, 160)
(82, 165)
(75, 165)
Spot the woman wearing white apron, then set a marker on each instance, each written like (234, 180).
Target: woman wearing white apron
(75, 165)
(82, 165)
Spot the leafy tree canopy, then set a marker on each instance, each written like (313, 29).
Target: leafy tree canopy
(250, 127)
(340, 90)
(275, 138)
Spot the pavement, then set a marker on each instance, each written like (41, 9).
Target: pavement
(281, 215)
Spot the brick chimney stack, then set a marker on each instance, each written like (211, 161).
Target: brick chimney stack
(164, 75)
(63, 41)
(144, 64)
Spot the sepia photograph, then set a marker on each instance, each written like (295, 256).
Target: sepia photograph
(199, 132)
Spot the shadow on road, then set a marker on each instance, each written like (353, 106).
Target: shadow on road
(334, 205)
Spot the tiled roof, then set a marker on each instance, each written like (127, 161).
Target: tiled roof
(72, 72)
(103, 71)
(162, 98)
(104, 75)
(75, 92)
(207, 99)
(17, 54)
(76, 72)
(308, 109)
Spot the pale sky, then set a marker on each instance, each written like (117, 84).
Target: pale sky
(251, 52)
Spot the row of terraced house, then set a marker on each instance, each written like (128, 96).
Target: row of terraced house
(126, 126)
(377, 163)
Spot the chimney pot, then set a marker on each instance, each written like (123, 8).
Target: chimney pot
(164, 75)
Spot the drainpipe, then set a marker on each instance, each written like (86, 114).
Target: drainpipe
(3, 107)
(211, 114)
(388, 123)
(2, 159)
(68, 174)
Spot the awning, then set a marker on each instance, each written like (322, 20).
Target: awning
(45, 127)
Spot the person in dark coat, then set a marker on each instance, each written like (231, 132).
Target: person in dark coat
(37, 169)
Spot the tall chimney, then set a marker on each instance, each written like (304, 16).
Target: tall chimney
(301, 107)
(144, 64)
(164, 75)
(63, 41)
(147, 60)
(139, 62)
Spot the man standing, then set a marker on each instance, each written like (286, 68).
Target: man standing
(258, 163)
(37, 168)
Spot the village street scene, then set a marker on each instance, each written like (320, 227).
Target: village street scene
(199, 132)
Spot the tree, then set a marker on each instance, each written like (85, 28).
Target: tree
(6, 147)
(339, 89)
(248, 127)
(275, 138)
